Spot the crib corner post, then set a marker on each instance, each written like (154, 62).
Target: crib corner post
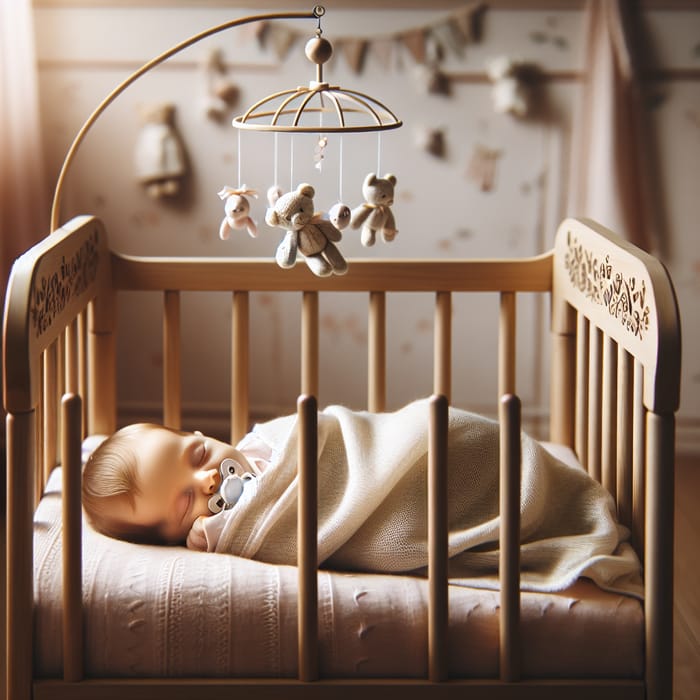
(658, 556)
(307, 533)
(21, 473)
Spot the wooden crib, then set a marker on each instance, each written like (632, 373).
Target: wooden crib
(615, 359)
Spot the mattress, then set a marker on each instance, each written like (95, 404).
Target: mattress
(168, 611)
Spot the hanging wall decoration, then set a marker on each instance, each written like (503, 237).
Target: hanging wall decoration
(220, 93)
(160, 159)
(482, 167)
(431, 140)
(510, 92)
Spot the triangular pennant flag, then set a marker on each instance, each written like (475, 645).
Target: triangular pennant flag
(448, 36)
(383, 49)
(354, 50)
(468, 21)
(248, 32)
(262, 32)
(414, 41)
(281, 38)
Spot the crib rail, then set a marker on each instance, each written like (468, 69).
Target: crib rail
(614, 393)
(172, 277)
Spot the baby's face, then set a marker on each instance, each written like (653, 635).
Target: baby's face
(176, 475)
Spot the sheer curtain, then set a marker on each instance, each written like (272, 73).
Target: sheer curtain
(24, 204)
(611, 179)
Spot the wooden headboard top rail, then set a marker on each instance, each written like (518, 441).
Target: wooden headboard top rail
(51, 285)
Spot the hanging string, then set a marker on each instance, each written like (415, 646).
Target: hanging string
(291, 162)
(379, 153)
(239, 158)
(275, 180)
(340, 169)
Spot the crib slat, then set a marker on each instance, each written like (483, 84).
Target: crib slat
(608, 416)
(442, 363)
(562, 413)
(49, 413)
(376, 341)
(307, 528)
(309, 343)
(638, 461)
(595, 378)
(172, 383)
(437, 540)
(624, 435)
(71, 354)
(506, 345)
(581, 430)
(71, 429)
(509, 554)
(102, 375)
(240, 361)
(82, 365)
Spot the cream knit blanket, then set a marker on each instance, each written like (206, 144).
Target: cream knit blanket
(373, 504)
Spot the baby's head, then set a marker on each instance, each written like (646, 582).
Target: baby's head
(147, 483)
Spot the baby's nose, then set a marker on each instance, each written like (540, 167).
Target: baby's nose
(209, 479)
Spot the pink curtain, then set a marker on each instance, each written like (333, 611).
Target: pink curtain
(24, 204)
(611, 179)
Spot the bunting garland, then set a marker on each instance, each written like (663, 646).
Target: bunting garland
(449, 35)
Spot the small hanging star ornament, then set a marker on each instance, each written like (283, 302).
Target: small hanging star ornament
(320, 152)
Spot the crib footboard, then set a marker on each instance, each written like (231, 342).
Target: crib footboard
(614, 378)
(615, 391)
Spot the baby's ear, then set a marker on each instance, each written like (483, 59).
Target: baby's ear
(199, 432)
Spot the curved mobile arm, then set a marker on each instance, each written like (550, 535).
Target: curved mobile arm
(315, 14)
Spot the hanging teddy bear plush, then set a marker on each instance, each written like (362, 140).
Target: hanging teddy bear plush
(307, 233)
(375, 215)
(237, 210)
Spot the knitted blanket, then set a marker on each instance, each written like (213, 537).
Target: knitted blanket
(373, 504)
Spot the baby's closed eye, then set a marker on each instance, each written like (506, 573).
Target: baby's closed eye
(198, 453)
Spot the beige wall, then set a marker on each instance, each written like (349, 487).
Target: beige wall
(441, 210)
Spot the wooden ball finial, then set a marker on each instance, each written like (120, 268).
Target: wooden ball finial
(318, 50)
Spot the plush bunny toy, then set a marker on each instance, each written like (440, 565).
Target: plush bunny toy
(236, 210)
(375, 215)
(307, 233)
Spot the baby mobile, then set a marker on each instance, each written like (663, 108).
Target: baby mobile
(310, 233)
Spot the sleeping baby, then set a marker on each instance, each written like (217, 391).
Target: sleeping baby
(149, 484)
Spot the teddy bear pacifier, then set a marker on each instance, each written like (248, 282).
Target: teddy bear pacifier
(231, 488)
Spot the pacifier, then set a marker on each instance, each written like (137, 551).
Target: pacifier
(231, 488)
